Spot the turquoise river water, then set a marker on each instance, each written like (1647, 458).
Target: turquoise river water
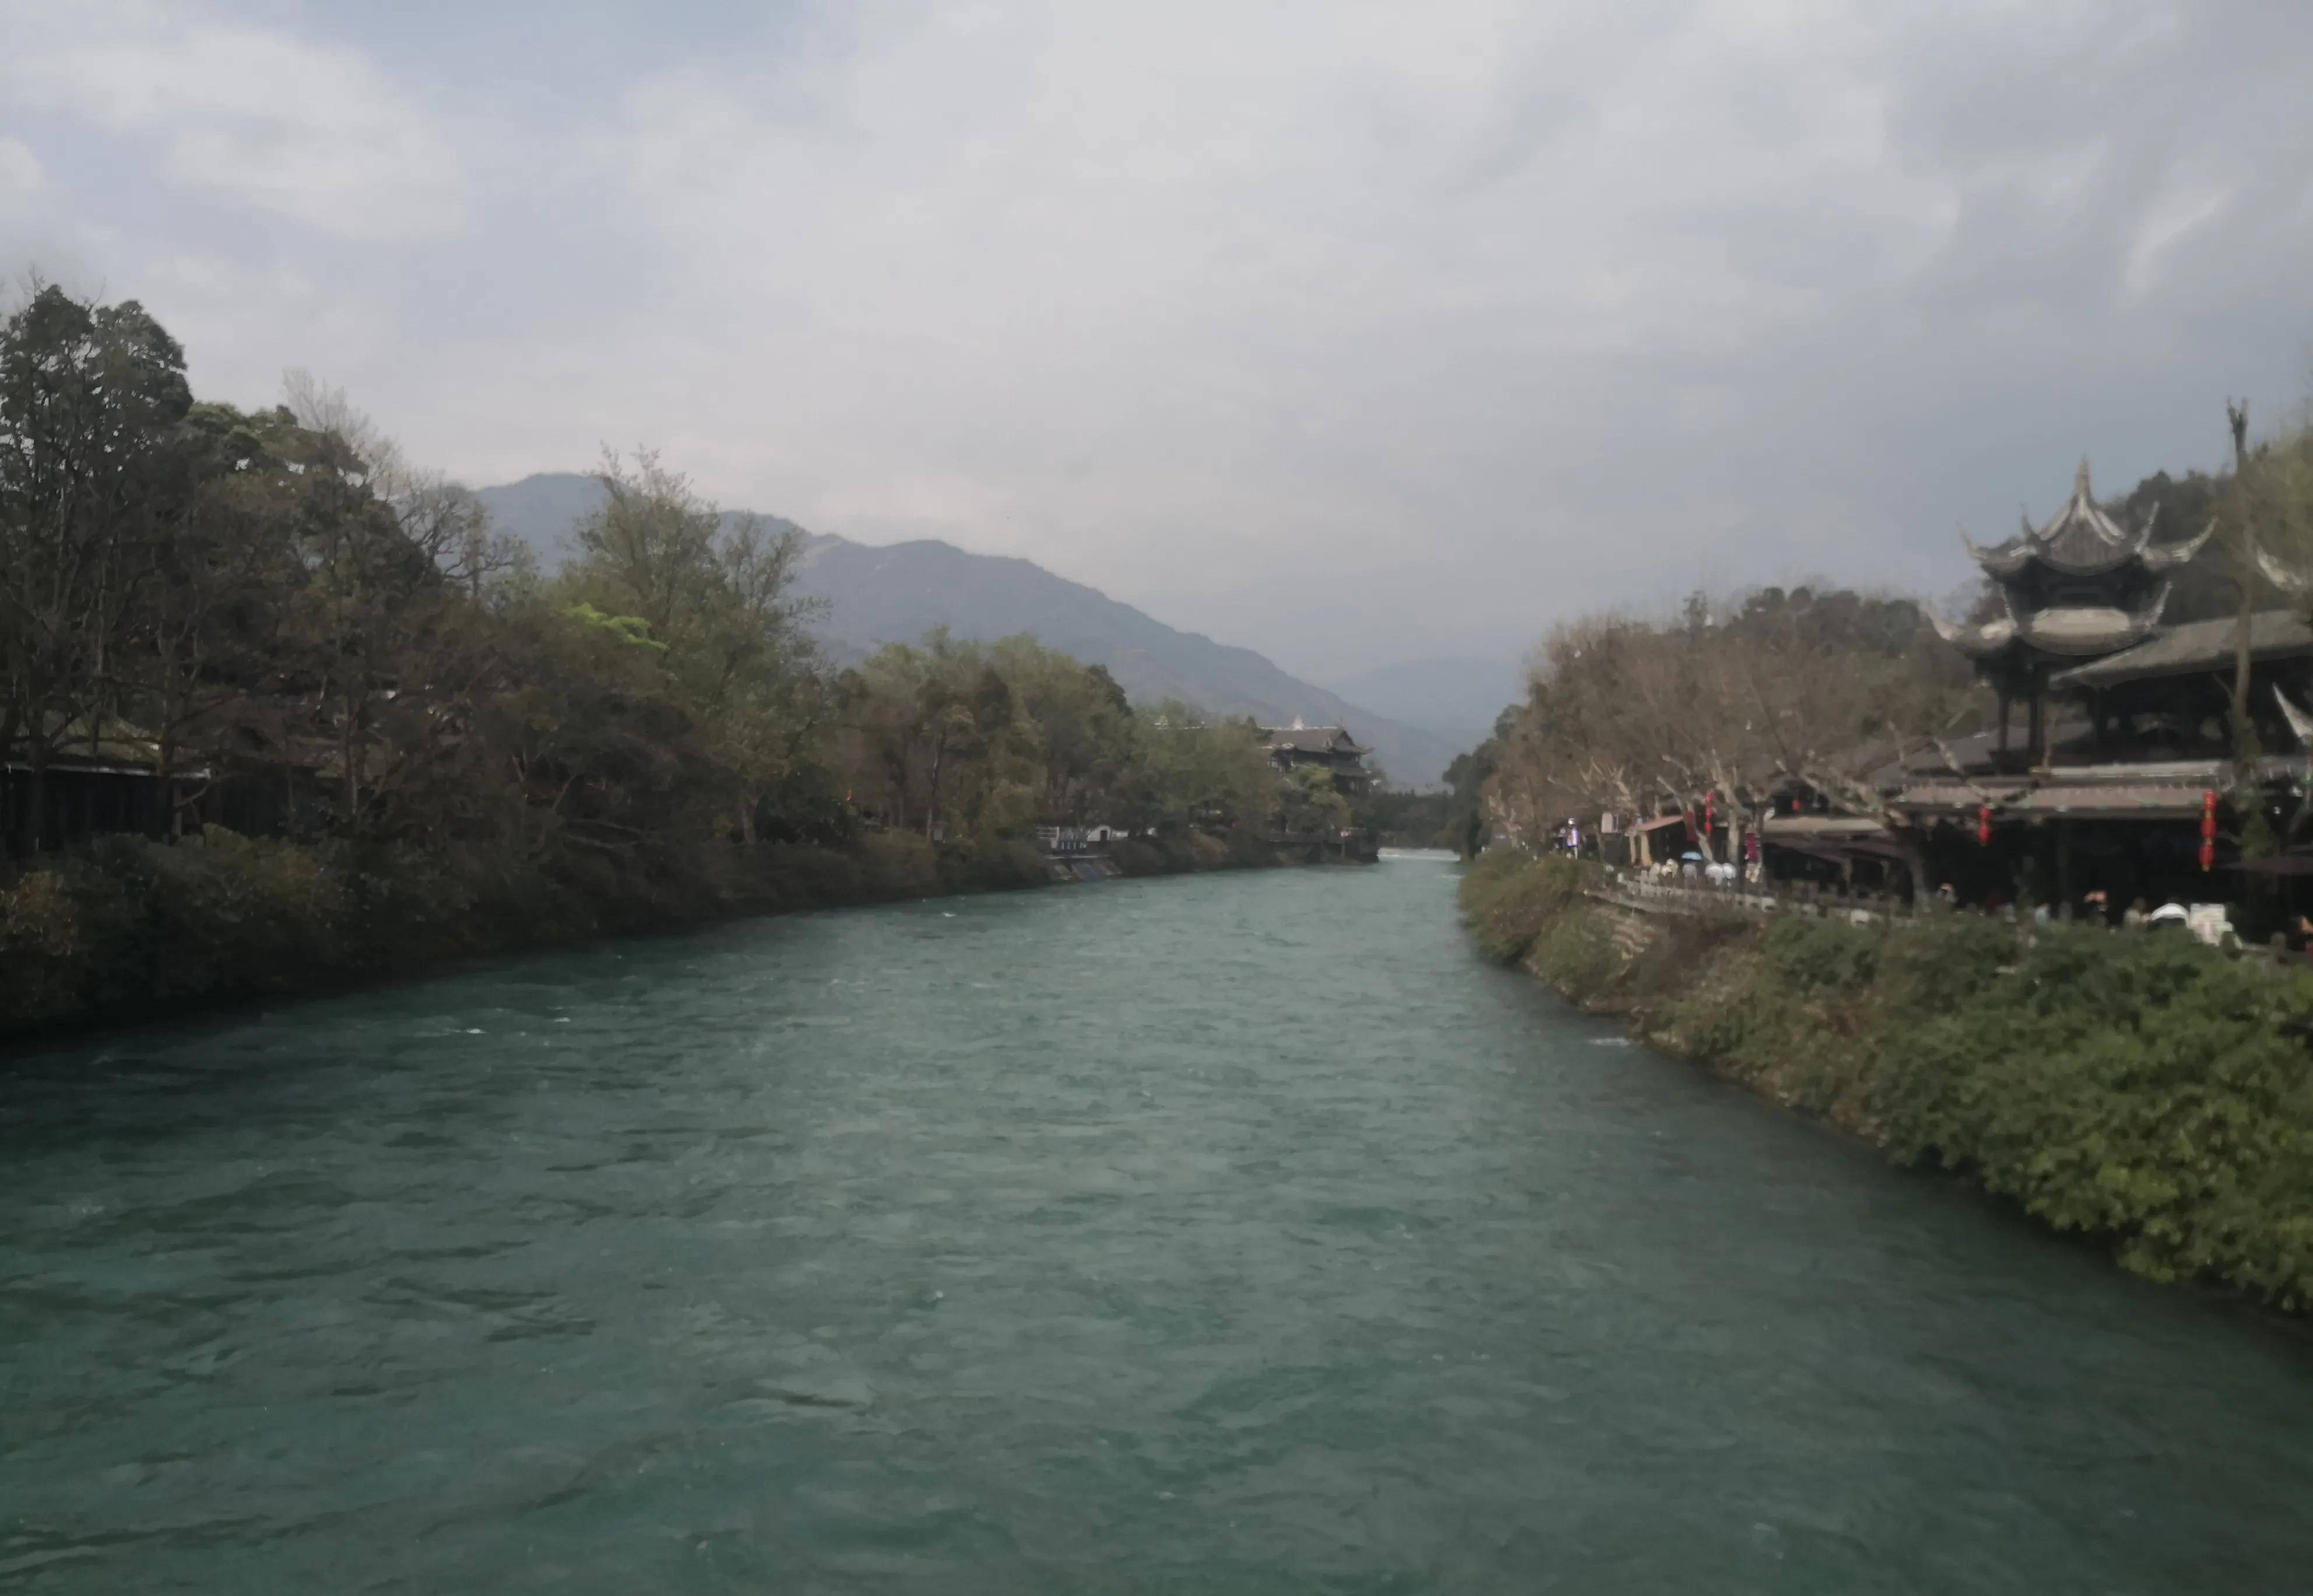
(1235, 1233)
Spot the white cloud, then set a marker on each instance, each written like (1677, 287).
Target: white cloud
(308, 132)
(20, 169)
(1201, 303)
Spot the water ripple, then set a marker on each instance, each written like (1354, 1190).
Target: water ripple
(1228, 1234)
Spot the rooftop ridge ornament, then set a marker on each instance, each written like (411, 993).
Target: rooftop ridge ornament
(2299, 721)
(2080, 540)
(2173, 555)
(2288, 579)
(1980, 639)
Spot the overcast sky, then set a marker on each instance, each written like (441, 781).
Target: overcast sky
(1356, 332)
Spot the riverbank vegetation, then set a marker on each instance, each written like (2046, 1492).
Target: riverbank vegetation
(277, 706)
(2136, 1088)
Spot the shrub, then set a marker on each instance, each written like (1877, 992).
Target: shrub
(1133, 857)
(899, 865)
(1574, 951)
(131, 926)
(2136, 1088)
(1508, 900)
(993, 866)
(1240, 849)
(1810, 954)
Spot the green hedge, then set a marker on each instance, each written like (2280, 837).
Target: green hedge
(2133, 1087)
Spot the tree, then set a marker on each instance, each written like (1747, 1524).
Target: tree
(1725, 706)
(1198, 775)
(90, 396)
(716, 593)
(1310, 803)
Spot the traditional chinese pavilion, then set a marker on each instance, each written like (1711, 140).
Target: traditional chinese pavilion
(2079, 588)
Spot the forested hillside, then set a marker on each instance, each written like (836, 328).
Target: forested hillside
(273, 700)
(878, 594)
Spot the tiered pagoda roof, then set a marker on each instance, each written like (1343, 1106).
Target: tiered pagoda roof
(2083, 541)
(2070, 630)
(2079, 587)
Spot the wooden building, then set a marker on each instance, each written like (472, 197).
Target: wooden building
(2137, 789)
(1326, 747)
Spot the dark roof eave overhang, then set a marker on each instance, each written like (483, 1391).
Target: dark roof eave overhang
(2088, 678)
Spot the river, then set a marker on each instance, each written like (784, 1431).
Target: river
(1237, 1233)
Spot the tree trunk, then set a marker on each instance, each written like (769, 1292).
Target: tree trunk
(9, 820)
(164, 765)
(931, 800)
(1915, 864)
(36, 796)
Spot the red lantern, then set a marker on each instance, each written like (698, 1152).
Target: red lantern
(1983, 825)
(2208, 831)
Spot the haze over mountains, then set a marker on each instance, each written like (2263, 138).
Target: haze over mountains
(896, 593)
(1459, 696)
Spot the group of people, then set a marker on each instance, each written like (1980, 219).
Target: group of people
(2207, 922)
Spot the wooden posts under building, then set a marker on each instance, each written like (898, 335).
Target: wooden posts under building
(2064, 895)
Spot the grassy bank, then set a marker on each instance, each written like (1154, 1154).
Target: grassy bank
(131, 928)
(2136, 1088)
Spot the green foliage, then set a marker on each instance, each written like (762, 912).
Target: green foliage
(1310, 803)
(2132, 1087)
(470, 759)
(1813, 956)
(1404, 819)
(626, 628)
(1465, 828)
(1509, 899)
(1574, 950)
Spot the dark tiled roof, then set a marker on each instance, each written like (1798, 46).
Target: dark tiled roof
(2081, 541)
(1313, 739)
(2149, 799)
(1777, 828)
(2133, 800)
(2195, 646)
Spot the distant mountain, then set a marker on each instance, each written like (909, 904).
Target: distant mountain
(543, 511)
(1461, 695)
(896, 593)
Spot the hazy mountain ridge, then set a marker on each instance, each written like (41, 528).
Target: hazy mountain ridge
(877, 594)
(1460, 696)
